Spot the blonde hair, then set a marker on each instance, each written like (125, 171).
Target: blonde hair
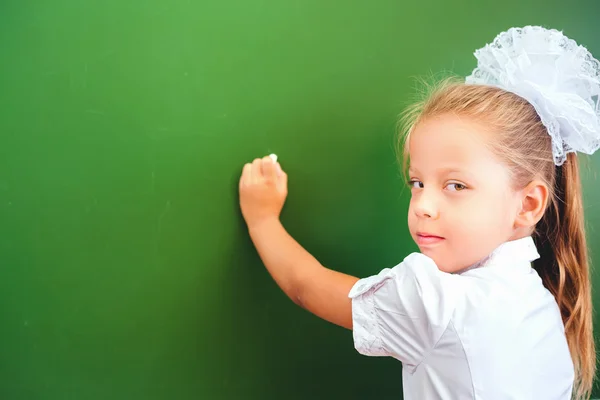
(525, 146)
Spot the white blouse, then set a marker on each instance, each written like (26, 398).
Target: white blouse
(490, 332)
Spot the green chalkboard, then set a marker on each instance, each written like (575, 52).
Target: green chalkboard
(125, 267)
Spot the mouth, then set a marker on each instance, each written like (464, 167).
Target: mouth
(427, 239)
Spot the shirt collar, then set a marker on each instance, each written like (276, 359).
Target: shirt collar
(517, 254)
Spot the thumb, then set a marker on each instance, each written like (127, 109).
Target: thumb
(282, 178)
(269, 169)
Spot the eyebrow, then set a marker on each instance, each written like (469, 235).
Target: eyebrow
(449, 170)
(445, 170)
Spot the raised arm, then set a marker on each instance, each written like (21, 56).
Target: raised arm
(322, 291)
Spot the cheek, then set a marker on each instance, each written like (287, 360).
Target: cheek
(411, 217)
(488, 213)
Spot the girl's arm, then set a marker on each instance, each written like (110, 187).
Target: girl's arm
(323, 292)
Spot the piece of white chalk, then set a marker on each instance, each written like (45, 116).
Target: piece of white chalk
(273, 157)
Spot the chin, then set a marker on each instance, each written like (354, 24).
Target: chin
(431, 254)
(439, 260)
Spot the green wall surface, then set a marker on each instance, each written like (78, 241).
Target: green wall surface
(126, 271)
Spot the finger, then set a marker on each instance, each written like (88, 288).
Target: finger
(246, 173)
(279, 170)
(282, 181)
(256, 174)
(269, 169)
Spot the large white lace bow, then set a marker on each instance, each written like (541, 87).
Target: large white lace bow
(557, 76)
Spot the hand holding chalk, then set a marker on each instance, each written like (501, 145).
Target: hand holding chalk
(263, 190)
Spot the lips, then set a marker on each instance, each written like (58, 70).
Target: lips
(427, 239)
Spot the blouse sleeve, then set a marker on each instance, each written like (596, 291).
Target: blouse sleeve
(402, 312)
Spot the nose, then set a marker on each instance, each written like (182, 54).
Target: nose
(425, 205)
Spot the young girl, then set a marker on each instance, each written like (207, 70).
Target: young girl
(497, 303)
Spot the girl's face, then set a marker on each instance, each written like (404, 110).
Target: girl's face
(463, 205)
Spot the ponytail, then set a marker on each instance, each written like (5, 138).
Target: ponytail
(564, 269)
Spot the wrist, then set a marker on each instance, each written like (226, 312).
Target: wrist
(263, 225)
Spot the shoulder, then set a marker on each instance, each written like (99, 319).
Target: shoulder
(403, 311)
(415, 268)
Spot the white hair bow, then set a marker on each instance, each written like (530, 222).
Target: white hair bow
(557, 76)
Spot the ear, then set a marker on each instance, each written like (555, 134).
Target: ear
(534, 199)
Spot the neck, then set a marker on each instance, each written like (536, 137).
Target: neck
(520, 233)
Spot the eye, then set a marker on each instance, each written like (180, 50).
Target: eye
(456, 187)
(415, 184)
